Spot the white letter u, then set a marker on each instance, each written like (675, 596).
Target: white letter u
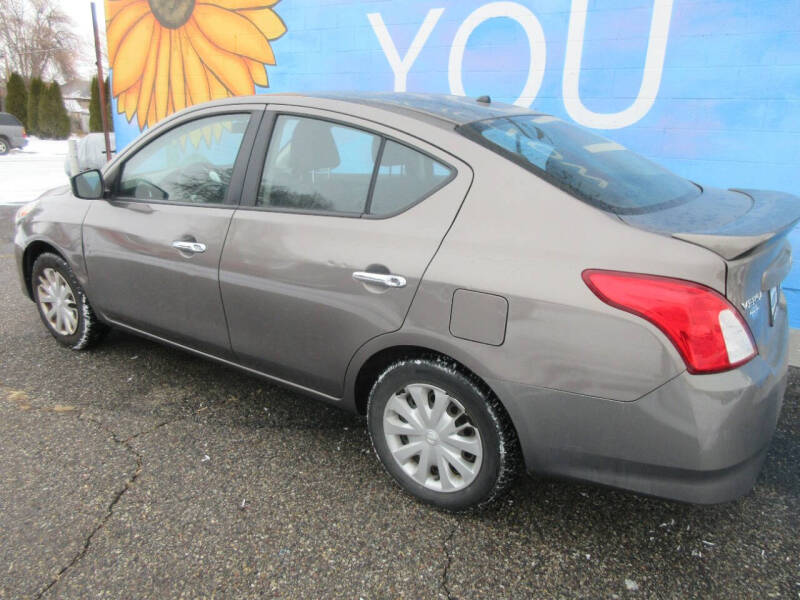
(651, 78)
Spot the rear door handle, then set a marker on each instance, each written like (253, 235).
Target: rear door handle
(193, 247)
(381, 279)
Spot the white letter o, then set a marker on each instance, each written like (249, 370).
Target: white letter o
(536, 41)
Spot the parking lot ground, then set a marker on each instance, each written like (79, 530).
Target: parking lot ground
(137, 471)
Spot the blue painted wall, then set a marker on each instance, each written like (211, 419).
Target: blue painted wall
(726, 111)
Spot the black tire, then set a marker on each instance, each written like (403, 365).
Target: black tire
(5, 146)
(501, 460)
(89, 329)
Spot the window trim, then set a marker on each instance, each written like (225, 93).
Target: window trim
(268, 126)
(374, 179)
(239, 163)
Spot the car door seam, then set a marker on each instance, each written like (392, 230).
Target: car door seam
(419, 282)
(228, 230)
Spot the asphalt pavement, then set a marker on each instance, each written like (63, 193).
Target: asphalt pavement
(137, 471)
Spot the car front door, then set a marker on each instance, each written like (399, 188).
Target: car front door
(338, 223)
(153, 247)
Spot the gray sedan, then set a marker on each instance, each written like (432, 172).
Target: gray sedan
(494, 288)
(12, 133)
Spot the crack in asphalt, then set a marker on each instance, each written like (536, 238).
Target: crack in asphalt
(110, 510)
(448, 561)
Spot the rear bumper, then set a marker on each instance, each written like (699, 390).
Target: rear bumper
(697, 438)
(19, 142)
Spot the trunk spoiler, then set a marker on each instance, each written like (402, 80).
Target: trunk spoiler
(772, 214)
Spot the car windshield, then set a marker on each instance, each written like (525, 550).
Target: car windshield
(592, 168)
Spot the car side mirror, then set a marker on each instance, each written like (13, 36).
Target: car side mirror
(88, 185)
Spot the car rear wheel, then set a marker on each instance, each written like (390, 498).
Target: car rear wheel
(63, 305)
(442, 435)
(4, 146)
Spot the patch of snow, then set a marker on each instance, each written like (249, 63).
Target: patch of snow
(631, 585)
(27, 173)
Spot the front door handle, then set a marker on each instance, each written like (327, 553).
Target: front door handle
(192, 247)
(382, 279)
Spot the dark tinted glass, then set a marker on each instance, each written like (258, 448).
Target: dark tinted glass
(318, 166)
(9, 119)
(592, 168)
(191, 163)
(405, 177)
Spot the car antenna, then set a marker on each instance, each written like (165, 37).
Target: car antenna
(485, 100)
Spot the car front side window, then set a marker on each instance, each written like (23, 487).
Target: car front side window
(191, 163)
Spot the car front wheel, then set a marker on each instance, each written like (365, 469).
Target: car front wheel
(63, 305)
(442, 435)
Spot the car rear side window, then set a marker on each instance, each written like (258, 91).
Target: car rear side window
(191, 163)
(405, 177)
(9, 120)
(318, 166)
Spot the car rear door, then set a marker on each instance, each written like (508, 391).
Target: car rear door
(339, 220)
(153, 247)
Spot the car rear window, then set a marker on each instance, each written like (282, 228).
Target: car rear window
(9, 119)
(592, 168)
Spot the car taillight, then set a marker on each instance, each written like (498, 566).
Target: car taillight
(706, 329)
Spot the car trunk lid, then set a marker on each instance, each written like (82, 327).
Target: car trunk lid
(748, 229)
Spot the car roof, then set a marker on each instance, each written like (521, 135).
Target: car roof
(456, 110)
(441, 109)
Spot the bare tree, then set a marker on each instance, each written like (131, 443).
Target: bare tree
(38, 39)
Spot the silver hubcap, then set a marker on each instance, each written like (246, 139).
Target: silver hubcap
(432, 438)
(3, 146)
(57, 302)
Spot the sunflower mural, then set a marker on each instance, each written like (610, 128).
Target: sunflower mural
(166, 55)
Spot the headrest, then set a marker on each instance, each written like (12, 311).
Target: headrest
(395, 155)
(313, 147)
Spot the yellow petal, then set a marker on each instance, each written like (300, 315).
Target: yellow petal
(258, 73)
(238, 4)
(267, 21)
(177, 82)
(148, 79)
(151, 114)
(122, 24)
(121, 103)
(217, 89)
(131, 58)
(114, 7)
(195, 136)
(194, 73)
(231, 32)
(131, 98)
(161, 89)
(229, 68)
